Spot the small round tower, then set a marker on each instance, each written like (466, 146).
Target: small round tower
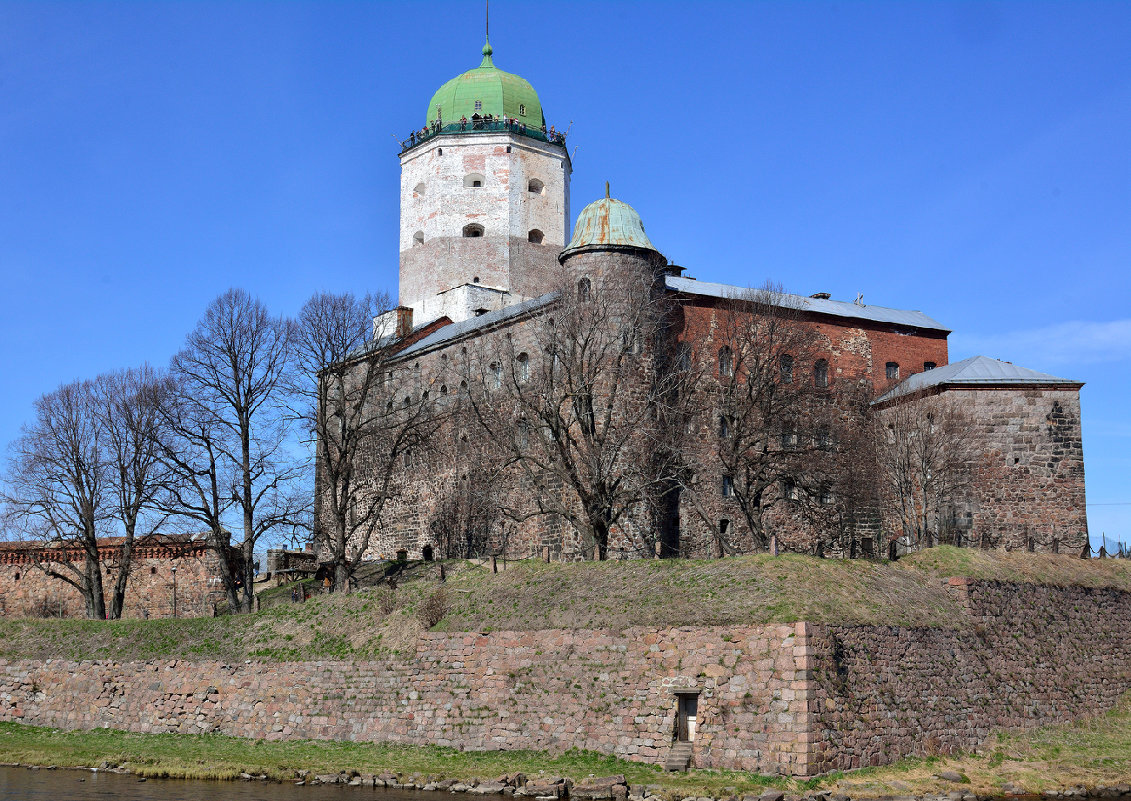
(609, 242)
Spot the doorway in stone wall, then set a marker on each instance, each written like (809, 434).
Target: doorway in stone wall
(686, 716)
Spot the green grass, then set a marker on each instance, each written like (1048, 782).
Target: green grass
(1094, 752)
(532, 595)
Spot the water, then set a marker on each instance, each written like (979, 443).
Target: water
(22, 784)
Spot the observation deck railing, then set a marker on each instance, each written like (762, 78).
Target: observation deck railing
(483, 126)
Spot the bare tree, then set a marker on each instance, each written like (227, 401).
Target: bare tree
(465, 517)
(583, 418)
(57, 487)
(775, 426)
(127, 404)
(368, 427)
(194, 449)
(231, 378)
(926, 460)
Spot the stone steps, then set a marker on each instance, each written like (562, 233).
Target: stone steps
(679, 758)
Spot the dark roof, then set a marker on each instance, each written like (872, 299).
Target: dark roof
(975, 371)
(835, 308)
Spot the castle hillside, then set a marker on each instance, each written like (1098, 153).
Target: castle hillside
(588, 399)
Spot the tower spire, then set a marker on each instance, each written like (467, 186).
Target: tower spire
(487, 47)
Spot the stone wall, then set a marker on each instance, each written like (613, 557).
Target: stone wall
(1031, 491)
(26, 590)
(605, 691)
(798, 699)
(1032, 655)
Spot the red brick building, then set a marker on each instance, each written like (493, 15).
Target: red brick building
(476, 282)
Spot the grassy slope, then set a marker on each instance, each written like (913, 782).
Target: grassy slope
(533, 595)
(1093, 752)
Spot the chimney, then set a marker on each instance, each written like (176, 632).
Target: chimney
(404, 322)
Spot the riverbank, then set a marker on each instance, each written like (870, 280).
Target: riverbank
(1089, 757)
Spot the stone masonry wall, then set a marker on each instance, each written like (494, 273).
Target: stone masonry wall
(1033, 655)
(27, 591)
(605, 691)
(798, 699)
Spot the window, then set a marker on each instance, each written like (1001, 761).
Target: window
(439, 113)
(726, 362)
(496, 375)
(789, 489)
(892, 369)
(824, 440)
(473, 231)
(786, 364)
(535, 186)
(724, 527)
(728, 487)
(535, 236)
(473, 180)
(478, 105)
(522, 368)
(826, 497)
(724, 426)
(443, 389)
(522, 109)
(584, 289)
(788, 437)
(418, 239)
(683, 356)
(821, 373)
(929, 365)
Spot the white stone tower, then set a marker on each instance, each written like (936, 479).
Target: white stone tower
(484, 198)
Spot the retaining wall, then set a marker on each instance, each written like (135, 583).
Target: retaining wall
(799, 699)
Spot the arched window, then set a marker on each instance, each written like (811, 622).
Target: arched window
(473, 231)
(724, 527)
(724, 426)
(473, 180)
(443, 389)
(891, 370)
(522, 368)
(726, 362)
(478, 105)
(785, 362)
(418, 189)
(462, 387)
(535, 236)
(821, 373)
(522, 109)
(584, 288)
(535, 186)
(789, 489)
(418, 239)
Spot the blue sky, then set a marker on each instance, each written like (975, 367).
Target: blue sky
(968, 159)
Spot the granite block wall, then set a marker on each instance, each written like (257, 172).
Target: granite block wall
(792, 699)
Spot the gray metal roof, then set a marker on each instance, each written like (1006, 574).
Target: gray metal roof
(836, 308)
(457, 330)
(973, 371)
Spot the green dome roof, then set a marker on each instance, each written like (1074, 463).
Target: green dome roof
(499, 93)
(608, 221)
